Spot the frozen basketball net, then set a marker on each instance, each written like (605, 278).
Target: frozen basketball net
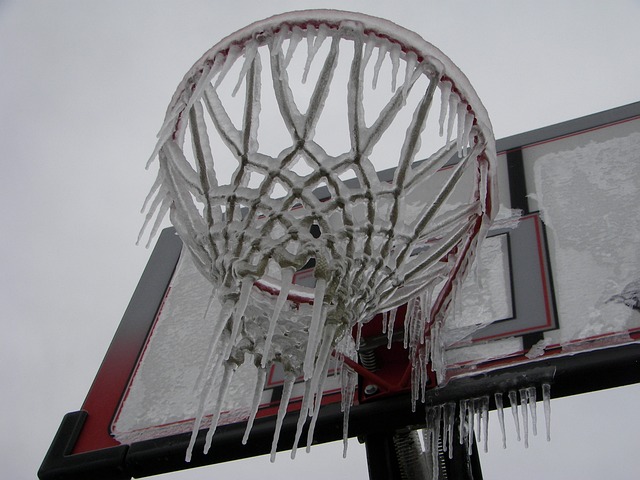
(267, 166)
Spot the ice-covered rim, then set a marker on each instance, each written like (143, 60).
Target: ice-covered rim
(261, 32)
(408, 41)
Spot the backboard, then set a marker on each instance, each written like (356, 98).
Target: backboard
(553, 299)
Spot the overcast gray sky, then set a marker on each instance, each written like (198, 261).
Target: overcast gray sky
(83, 90)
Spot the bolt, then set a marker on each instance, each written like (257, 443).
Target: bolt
(370, 389)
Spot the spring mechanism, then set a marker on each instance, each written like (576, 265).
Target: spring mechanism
(368, 360)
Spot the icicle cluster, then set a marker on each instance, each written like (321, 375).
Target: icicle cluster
(378, 246)
(473, 422)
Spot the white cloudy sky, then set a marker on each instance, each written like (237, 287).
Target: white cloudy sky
(83, 90)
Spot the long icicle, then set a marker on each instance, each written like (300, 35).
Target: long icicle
(461, 421)
(531, 400)
(287, 280)
(546, 399)
(207, 375)
(349, 383)
(219, 324)
(289, 380)
(257, 396)
(525, 416)
(302, 417)
(382, 52)
(315, 327)
(229, 370)
(485, 422)
(500, 412)
(204, 395)
(435, 451)
(470, 421)
(317, 382)
(445, 91)
(513, 402)
(249, 55)
(451, 409)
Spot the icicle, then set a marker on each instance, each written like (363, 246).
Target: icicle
(294, 40)
(359, 336)
(155, 203)
(462, 115)
(426, 442)
(368, 50)
(257, 397)
(394, 54)
(287, 281)
(302, 416)
(419, 376)
(315, 329)
(382, 52)
(311, 36)
(249, 55)
(219, 323)
(317, 382)
(449, 420)
(415, 392)
(230, 59)
(531, 400)
(212, 372)
(407, 330)
(425, 310)
(525, 416)
(390, 326)
(385, 321)
(484, 404)
(338, 363)
(321, 368)
(461, 421)
(289, 380)
(427, 433)
(312, 48)
(416, 324)
(500, 412)
(278, 38)
(349, 383)
(477, 407)
(345, 432)
(468, 123)
(158, 209)
(513, 402)
(445, 92)
(546, 399)
(243, 300)
(205, 80)
(411, 60)
(165, 133)
(453, 110)
(155, 187)
(162, 212)
(204, 395)
(424, 376)
(229, 370)
(436, 438)
(470, 421)
(446, 418)
(240, 307)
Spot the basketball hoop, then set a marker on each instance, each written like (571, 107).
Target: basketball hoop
(253, 219)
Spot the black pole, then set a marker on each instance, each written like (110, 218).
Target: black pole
(381, 457)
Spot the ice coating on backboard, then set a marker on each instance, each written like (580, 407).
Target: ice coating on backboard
(587, 196)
